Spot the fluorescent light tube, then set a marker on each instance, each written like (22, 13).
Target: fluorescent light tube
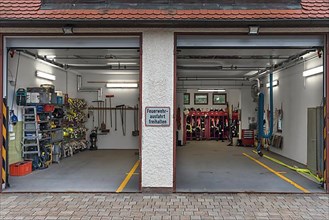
(313, 71)
(44, 75)
(122, 63)
(50, 57)
(211, 90)
(251, 73)
(275, 83)
(121, 85)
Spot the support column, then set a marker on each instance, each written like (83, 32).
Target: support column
(157, 91)
(326, 114)
(2, 152)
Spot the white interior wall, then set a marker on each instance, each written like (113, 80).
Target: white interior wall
(65, 81)
(248, 108)
(233, 97)
(130, 97)
(296, 94)
(158, 90)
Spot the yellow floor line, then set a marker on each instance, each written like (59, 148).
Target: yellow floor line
(133, 173)
(129, 175)
(278, 174)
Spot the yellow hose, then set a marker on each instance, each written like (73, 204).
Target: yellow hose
(299, 170)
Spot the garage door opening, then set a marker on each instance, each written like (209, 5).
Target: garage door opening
(219, 79)
(77, 108)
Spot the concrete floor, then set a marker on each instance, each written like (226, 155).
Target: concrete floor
(87, 171)
(211, 166)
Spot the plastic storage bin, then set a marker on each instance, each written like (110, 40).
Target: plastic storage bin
(20, 168)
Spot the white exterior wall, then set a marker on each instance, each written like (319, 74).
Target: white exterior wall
(27, 78)
(158, 90)
(115, 139)
(296, 94)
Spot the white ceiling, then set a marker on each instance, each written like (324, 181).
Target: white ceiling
(229, 62)
(191, 63)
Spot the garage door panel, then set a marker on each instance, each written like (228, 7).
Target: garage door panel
(73, 42)
(249, 41)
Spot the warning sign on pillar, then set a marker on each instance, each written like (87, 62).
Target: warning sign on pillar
(157, 116)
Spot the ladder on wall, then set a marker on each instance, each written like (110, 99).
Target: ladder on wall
(30, 142)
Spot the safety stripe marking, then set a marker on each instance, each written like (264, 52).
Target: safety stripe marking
(4, 111)
(126, 180)
(278, 174)
(3, 147)
(4, 132)
(3, 152)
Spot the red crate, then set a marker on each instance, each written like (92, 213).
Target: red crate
(20, 168)
(48, 108)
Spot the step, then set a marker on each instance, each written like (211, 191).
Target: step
(31, 145)
(29, 122)
(31, 130)
(30, 152)
(30, 137)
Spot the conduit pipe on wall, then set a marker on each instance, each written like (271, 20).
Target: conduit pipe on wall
(261, 133)
(89, 89)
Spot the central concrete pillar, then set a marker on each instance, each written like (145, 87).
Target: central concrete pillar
(157, 91)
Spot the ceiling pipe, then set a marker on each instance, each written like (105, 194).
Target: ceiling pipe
(211, 78)
(102, 67)
(42, 59)
(89, 89)
(281, 65)
(216, 68)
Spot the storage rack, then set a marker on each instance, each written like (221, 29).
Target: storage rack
(40, 129)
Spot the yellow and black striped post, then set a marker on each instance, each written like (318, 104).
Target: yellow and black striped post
(4, 147)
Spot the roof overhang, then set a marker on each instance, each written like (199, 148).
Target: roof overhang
(186, 23)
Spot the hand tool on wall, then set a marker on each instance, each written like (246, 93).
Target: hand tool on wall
(123, 118)
(104, 113)
(98, 113)
(135, 132)
(115, 118)
(110, 100)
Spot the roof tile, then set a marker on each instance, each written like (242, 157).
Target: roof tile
(22, 9)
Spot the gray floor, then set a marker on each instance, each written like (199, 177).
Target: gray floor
(88, 171)
(211, 166)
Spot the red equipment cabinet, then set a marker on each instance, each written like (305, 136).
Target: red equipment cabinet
(247, 137)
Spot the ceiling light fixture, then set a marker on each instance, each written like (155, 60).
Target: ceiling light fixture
(50, 57)
(253, 30)
(211, 90)
(121, 85)
(44, 75)
(275, 83)
(122, 63)
(313, 71)
(251, 73)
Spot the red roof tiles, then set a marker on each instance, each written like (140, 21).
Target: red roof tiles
(22, 9)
